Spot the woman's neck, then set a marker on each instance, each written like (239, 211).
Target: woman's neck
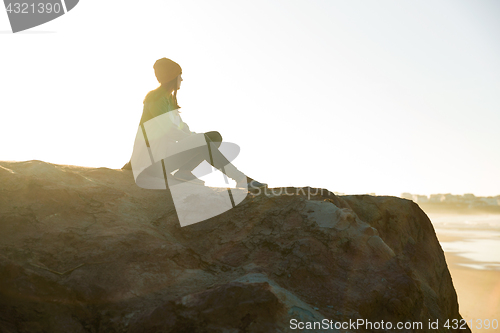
(166, 89)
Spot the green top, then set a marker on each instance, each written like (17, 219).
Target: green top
(157, 102)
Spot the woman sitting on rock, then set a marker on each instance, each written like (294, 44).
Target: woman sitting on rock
(163, 100)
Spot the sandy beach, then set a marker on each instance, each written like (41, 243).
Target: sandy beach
(470, 253)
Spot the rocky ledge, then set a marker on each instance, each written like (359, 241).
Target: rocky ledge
(86, 250)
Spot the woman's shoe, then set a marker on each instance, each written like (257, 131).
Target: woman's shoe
(253, 185)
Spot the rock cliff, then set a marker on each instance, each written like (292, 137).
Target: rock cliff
(86, 250)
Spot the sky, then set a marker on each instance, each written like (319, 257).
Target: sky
(352, 96)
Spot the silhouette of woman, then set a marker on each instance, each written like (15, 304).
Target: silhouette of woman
(163, 100)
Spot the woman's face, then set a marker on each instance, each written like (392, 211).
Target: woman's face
(179, 80)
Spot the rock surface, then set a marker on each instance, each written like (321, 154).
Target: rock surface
(86, 250)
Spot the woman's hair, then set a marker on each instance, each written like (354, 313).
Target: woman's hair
(169, 88)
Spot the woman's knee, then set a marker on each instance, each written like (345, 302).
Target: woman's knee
(214, 137)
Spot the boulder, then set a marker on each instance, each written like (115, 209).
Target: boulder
(87, 250)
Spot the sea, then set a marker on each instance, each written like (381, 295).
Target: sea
(473, 237)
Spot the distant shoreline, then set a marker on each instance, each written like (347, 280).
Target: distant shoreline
(457, 208)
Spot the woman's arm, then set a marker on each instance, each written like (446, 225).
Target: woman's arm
(171, 122)
(179, 129)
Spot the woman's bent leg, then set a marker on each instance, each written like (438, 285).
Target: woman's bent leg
(186, 162)
(190, 165)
